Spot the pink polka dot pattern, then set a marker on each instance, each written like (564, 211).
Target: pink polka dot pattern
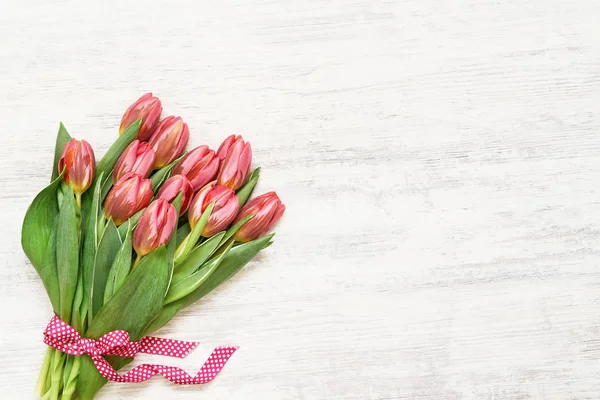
(63, 337)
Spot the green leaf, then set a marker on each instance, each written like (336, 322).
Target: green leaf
(244, 193)
(198, 256)
(160, 176)
(67, 254)
(190, 241)
(254, 173)
(137, 301)
(67, 369)
(166, 314)
(106, 186)
(235, 260)
(121, 266)
(181, 288)
(48, 272)
(177, 202)
(79, 309)
(39, 223)
(172, 245)
(107, 164)
(109, 246)
(91, 238)
(62, 139)
(131, 309)
(133, 221)
(183, 232)
(233, 230)
(89, 381)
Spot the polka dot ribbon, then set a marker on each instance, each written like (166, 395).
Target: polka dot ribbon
(63, 337)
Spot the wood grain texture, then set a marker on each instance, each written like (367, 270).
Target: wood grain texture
(439, 160)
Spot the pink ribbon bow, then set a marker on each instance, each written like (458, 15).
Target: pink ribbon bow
(63, 337)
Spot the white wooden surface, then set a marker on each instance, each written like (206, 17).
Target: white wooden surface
(439, 160)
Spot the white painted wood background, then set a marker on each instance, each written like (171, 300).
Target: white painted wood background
(439, 160)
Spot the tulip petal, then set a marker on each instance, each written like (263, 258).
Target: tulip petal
(155, 228)
(235, 165)
(169, 140)
(221, 218)
(175, 186)
(148, 108)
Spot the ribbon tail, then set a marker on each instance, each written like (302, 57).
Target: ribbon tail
(211, 368)
(214, 364)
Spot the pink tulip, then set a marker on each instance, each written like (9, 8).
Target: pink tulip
(79, 164)
(223, 213)
(267, 210)
(148, 108)
(169, 140)
(138, 158)
(224, 147)
(127, 197)
(236, 156)
(200, 166)
(155, 228)
(171, 189)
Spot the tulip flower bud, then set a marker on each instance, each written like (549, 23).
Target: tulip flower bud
(169, 140)
(148, 108)
(127, 197)
(223, 213)
(79, 164)
(200, 166)
(155, 228)
(267, 210)
(235, 164)
(224, 147)
(171, 189)
(138, 158)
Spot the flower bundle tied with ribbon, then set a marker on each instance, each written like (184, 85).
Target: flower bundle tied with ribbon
(124, 244)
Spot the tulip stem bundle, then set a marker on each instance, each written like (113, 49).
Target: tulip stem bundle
(126, 243)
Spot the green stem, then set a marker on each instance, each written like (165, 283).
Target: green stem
(71, 385)
(180, 249)
(40, 387)
(67, 370)
(78, 198)
(57, 370)
(49, 374)
(136, 262)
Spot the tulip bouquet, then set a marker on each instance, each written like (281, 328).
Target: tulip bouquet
(126, 243)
